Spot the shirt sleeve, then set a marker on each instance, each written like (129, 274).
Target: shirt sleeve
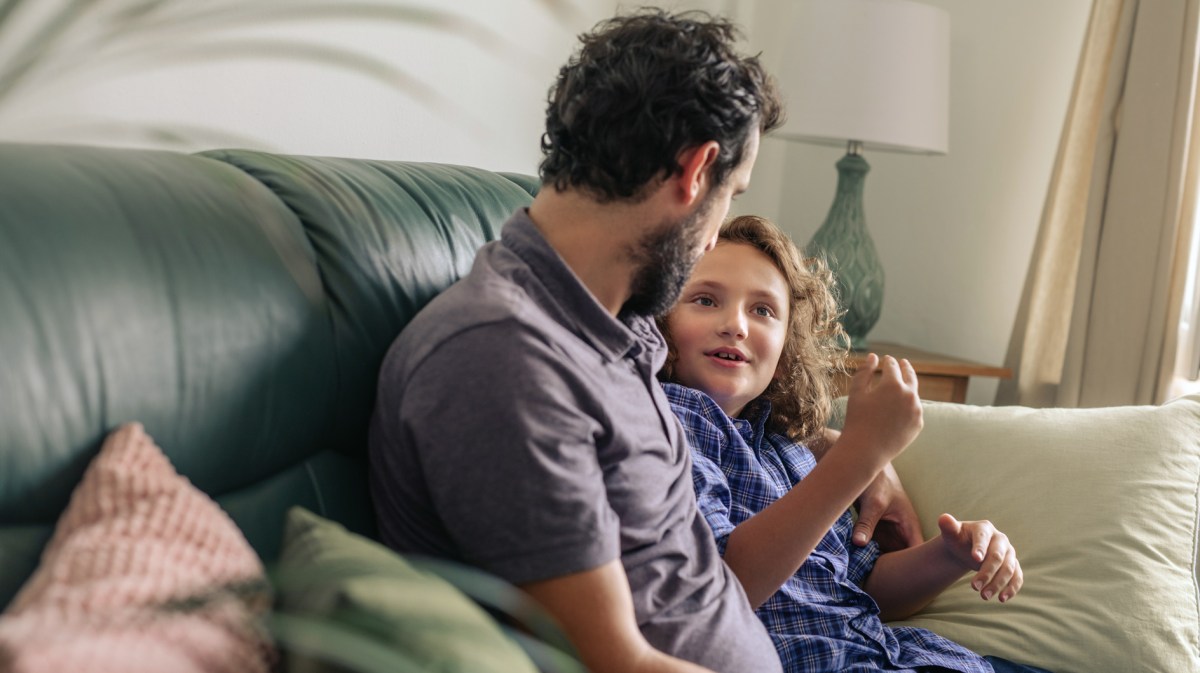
(861, 560)
(713, 496)
(499, 421)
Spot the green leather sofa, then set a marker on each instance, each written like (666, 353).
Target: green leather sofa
(237, 303)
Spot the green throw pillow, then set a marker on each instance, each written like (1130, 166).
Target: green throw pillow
(335, 586)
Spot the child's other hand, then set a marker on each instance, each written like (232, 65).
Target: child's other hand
(886, 411)
(978, 545)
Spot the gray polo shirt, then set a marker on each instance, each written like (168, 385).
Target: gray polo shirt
(519, 428)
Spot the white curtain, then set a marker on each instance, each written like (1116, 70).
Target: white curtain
(1099, 319)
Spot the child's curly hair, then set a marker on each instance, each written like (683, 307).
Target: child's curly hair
(802, 392)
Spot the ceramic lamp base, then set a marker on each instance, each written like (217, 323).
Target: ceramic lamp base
(843, 241)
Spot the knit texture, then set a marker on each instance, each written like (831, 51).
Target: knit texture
(144, 572)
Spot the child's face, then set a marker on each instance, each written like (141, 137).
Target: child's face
(730, 325)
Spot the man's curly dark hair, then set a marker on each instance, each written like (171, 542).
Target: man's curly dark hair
(645, 87)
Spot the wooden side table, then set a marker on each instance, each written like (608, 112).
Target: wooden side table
(940, 378)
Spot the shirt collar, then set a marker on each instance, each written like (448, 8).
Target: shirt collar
(613, 338)
(752, 424)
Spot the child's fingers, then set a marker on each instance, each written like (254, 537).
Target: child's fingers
(949, 526)
(891, 369)
(909, 374)
(981, 541)
(1001, 583)
(1015, 584)
(865, 374)
(997, 566)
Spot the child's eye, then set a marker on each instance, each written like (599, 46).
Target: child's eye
(764, 311)
(704, 301)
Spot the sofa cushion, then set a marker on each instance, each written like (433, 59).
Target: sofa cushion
(419, 619)
(156, 286)
(237, 303)
(387, 237)
(1101, 505)
(144, 573)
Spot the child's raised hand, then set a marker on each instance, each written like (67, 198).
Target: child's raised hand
(978, 545)
(885, 412)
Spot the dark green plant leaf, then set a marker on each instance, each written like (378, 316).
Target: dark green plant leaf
(546, 657)
(519, 616)
(250, 592)
(493, 592)
(331, 639)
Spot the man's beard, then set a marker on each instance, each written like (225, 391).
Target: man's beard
(667, 256)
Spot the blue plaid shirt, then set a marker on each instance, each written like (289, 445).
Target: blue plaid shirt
(820, 619)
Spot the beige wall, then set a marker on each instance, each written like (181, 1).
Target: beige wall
(954, 232)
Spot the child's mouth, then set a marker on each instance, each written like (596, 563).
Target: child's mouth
(727, 356)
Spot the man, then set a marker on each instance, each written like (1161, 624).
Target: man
(519, 426)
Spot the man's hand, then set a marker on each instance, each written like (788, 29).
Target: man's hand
(886, 513)
(977, 545)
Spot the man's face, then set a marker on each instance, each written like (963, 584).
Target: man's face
(668, 253)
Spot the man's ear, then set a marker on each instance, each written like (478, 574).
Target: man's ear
(696, 163)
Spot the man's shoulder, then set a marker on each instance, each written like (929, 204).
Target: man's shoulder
(483, 322)
(458, 312)
(476, 301)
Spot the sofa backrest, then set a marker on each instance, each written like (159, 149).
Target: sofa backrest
(237, 303)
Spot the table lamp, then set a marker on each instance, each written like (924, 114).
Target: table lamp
(873, 75)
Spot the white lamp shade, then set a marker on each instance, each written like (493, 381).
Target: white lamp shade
(873, 71)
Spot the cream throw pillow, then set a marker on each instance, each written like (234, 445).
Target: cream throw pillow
(1101, 505)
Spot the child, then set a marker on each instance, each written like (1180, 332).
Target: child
(754, 337)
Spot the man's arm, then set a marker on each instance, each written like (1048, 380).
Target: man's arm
(513, 412)
(884, 509)
(595, 610)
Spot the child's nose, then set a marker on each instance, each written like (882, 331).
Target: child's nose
(733, 323)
